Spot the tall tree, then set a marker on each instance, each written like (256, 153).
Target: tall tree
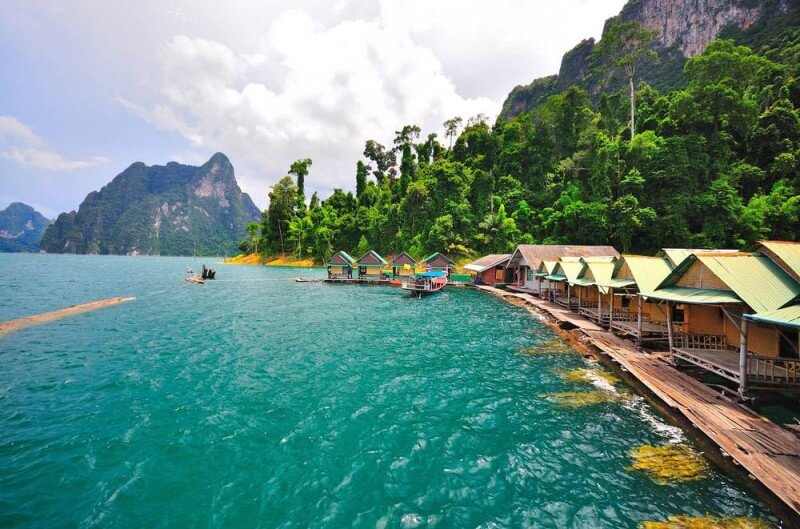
(381, 157)
(299, 169)
(451, 129)
(361, 178)
(626, 45)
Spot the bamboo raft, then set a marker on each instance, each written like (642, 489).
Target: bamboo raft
(768, 452)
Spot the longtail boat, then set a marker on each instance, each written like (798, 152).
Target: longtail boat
(426, 283)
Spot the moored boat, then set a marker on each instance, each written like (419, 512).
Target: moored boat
(426, 283)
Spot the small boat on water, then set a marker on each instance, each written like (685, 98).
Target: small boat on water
(425, 284)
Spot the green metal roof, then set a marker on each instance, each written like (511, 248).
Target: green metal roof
(648, 272)
(381, 260)
(572, 269)
(555, 277)
(788, 252)
(697, 296)
(787, 316)
(346, 256)
(547, 266)
(602, 270)
(753, 277)
(678, 255)
(433, 256)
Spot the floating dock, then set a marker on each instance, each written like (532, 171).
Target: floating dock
(767, 452)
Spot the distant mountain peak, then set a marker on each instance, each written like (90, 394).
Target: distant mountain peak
(21, 228)
(159, 210)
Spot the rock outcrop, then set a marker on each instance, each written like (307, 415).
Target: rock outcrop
(685, 28)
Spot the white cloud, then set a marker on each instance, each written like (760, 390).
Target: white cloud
(49, 161)
(340, 86)
(12, 129)
(21, 145)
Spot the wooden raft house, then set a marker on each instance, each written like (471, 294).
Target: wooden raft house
(438, 262)
(491, 269)
(370, 266)
(637, 316)
(735, 318)
(403, 266)
(526, 258)
(340, 266)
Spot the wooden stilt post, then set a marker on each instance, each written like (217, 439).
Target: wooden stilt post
(669, 328)
(599, 306)
(610, 307)
(580, 291)
(569, 293)
(639, 321)
(743, 358)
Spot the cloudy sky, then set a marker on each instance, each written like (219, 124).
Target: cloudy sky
(90, 86)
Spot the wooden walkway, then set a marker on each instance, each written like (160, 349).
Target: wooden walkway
(769, 453)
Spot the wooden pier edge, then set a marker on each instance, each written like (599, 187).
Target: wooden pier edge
(764, 456)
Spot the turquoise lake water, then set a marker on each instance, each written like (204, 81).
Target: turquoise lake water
(255, 401)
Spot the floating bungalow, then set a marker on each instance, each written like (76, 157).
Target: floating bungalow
(370, 266)
(596, 279)
(438, 262)
(340, 266)
(733, 315)
(565, 273)
(526, 258)
(491, 269)
(636, 316)
(546, 279)
(403, 266)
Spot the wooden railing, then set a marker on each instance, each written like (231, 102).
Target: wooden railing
(771, 369)
(700, 341)
(624, 315)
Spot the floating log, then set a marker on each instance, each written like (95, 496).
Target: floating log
(13, 325)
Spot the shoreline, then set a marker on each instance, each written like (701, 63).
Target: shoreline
(719, 444)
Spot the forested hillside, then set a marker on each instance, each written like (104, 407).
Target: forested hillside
(712, 165)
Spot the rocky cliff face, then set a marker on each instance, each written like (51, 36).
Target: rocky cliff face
(692, 24)
(160, 210)
(685, 28)
(21, 228)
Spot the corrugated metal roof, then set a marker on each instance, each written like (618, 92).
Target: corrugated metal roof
(434, 255)
(347, 257)
(534, 254)
(788, 252)
(571, 269)
(677, 255)
(547, 266)
(753, 278)
(699, 296)
(648, 272)
(787, 316)
(488, 261)
(377, 257)
(555, 277)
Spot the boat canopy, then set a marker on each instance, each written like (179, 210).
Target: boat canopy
(431, 274)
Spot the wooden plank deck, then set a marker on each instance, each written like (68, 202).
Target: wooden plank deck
(649, 329)
(769, 453)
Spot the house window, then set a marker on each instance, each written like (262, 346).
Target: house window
(626, 302)
(678, 313)
(528, 274)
